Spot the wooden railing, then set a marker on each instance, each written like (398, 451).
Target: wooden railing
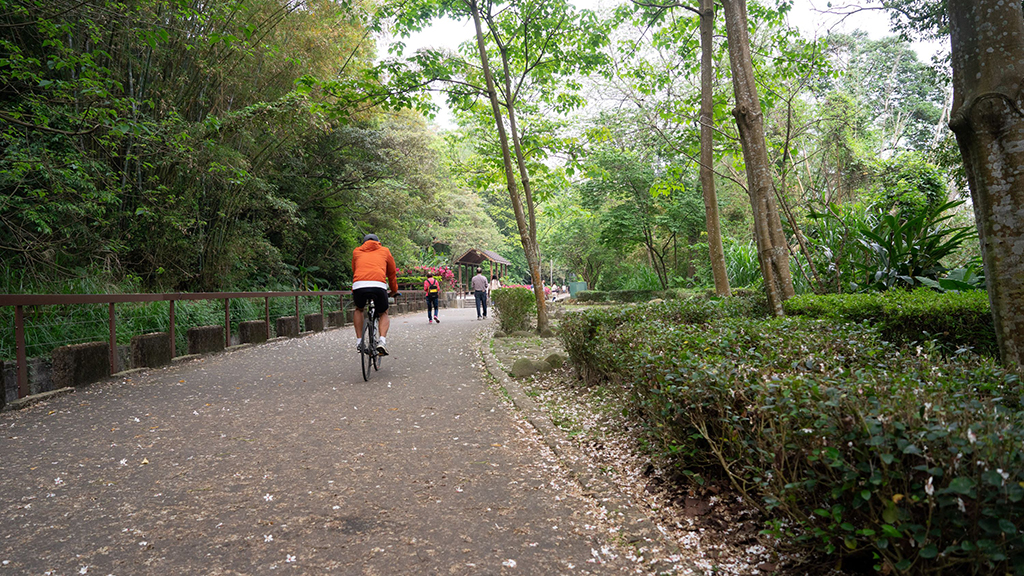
(20, 301)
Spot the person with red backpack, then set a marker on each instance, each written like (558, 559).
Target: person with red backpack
(432, 288)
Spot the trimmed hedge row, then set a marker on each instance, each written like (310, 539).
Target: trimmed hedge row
(957, 320)
(851, 443)
(648, 295)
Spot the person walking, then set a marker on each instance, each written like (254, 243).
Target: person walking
(479, 284)
(432, 288)
(373, 274)
(494, 285)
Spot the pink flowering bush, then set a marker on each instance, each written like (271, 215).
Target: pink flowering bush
(443, 273)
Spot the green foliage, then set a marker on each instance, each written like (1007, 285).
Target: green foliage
(959, 321)
(898, 251)
(641, 278)
(513, 307)
(908, 185)
(592, 296)
(833, 235)
(853, 445)
(742, 264)
(200, 150)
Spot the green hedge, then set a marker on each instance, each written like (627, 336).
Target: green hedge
(957, 320)
(513, 307)
(632, 295)
(853, 444)
(592, 296)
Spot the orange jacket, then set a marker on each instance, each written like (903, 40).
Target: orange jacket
(373, 266)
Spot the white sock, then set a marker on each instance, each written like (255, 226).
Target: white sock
(383, 341)
(359, 341)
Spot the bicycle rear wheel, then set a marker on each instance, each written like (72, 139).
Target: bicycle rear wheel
(369, 352)
(377, 358)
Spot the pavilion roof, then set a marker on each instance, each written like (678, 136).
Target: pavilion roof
(476, 256)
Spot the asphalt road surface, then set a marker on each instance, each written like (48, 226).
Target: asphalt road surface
(279, 458)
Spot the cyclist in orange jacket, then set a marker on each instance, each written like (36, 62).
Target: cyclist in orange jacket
(374, 275)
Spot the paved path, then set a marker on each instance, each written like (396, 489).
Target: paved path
(280, 459)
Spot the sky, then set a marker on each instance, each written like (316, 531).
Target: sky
(810, 16)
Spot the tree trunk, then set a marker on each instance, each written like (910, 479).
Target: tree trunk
(526, 232)
(531, 249)
(987, 39)
(707, 175)
(773, 252)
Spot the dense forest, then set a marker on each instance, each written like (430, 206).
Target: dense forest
(160, 145)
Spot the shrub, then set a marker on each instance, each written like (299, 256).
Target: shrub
(850, 443)
(742, 264)
(592, 296)
(899, 251)
(513, 307)
(957, 320)
(641, 278)
(635, 295)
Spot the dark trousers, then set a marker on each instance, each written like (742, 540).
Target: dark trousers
(432, 301)
(481, 301)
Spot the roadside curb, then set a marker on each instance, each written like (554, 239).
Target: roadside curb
(638, 528)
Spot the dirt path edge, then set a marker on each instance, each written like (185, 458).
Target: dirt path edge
(637, 528)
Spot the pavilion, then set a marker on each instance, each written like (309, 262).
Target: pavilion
(492, 263)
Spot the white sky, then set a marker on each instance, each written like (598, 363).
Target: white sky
(808, 15)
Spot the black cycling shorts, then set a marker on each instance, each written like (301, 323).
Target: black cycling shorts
(380, 298)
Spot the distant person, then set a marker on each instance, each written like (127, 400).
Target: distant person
(432, 289)
(479, 284)
(374, 275)
(494, 285)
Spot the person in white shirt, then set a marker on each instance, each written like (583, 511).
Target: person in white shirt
(479, 284)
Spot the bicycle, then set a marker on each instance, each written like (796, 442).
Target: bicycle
(369, 356)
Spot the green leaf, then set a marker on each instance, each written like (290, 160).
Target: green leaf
(890, 531)
(961, 485)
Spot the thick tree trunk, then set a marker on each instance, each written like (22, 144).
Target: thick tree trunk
(707, 175)
(772, 250)
(526, 231)
(988, 71)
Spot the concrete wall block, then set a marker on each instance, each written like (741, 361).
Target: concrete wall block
(252, 331)
(40, 376)
(288, 326)
(80, 364)
(151, 350)
(314, 322)
(336, 318)
(203, 339)
(124, 357)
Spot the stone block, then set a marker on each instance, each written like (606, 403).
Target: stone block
(151, 350)
(524, 367)
(80, 364)
(336, 318)
(314, 322)
(252, 331)
(555, 360)
(287, 326)
(204, 339)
